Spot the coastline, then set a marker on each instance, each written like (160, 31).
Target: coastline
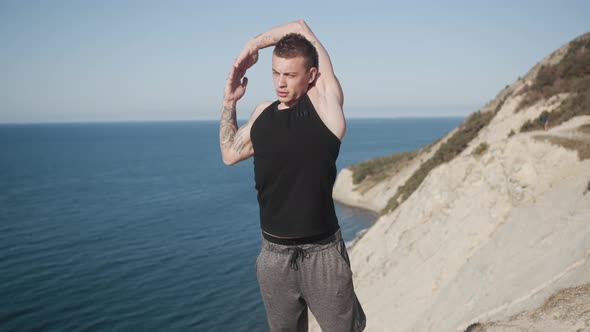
(361, 232)
(354, 221)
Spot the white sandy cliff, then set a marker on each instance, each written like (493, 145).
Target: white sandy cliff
(487, 238)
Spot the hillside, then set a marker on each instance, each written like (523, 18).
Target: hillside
(482, 227)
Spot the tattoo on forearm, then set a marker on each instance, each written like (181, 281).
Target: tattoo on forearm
(230, 136)
(228, 125)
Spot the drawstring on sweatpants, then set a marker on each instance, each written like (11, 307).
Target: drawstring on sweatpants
(297, 253)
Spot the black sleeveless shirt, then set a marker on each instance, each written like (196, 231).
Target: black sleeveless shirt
(295, 169)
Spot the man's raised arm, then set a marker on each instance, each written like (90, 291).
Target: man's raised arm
(235, 143)
(249, 54)
(327, 93)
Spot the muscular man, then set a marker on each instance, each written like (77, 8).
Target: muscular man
(295, 142)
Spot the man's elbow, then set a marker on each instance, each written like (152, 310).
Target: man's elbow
(228, 158)
(302, 25)
(229, 161)
(301, 22)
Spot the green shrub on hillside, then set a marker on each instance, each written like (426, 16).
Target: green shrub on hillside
(535, 124)
(565, 76)
(578, 104)
(570, 75)
(379, 166)
(481, 149)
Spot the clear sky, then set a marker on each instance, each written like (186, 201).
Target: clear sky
(168, 60)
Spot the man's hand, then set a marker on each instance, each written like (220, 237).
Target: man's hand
(235, 85)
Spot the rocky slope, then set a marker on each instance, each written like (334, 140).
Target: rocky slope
(491, 234)
(567, 310)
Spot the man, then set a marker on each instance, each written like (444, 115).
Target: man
(295, 142)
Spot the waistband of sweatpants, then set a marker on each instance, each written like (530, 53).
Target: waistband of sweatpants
(329, 242)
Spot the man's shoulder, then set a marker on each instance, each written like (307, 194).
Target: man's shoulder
(259, 109)
(263, 105)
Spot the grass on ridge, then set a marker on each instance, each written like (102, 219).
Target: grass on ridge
(570, 75)
(467, 131)
(380, 168)
(578, 104)
(375, 170)
(481, 149)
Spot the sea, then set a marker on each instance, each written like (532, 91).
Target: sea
(139, 226)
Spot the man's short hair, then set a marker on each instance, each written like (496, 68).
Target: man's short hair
(293, 45)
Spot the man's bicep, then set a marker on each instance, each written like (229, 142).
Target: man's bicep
(332, 92)
(326, 80)
(240, 147)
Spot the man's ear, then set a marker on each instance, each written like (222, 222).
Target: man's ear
(313, 71)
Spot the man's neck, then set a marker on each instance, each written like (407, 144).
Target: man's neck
(283, 106)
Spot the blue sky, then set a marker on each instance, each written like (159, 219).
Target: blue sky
(167, 60)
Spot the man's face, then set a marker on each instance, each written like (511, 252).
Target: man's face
(291, 79)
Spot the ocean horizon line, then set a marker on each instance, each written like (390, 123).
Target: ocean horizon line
(138, 121)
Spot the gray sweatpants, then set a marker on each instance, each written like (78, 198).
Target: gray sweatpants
(318, 276)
